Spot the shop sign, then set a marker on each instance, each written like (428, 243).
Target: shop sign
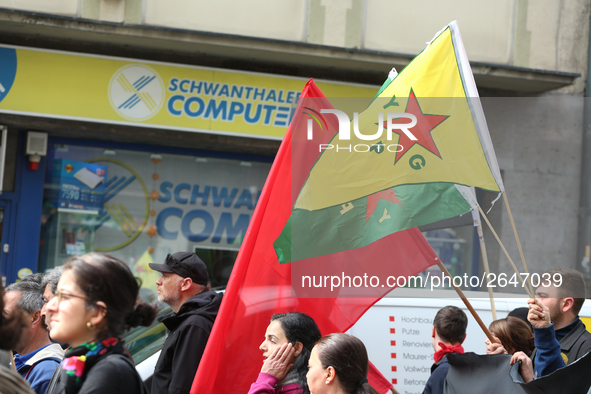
(150, 94)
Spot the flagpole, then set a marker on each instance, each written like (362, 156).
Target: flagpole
(12, 361)
(467, 303)
(527, 290)
(517, 239)
(478, 225)
(486, 268)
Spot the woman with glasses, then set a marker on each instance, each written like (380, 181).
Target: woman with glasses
(94, 304)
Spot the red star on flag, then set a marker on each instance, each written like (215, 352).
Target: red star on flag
(422, 130)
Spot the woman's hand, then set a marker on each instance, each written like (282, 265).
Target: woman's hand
(526, 368)
(495, 347)
(279, 362)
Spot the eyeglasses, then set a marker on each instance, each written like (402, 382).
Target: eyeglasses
(61, 296)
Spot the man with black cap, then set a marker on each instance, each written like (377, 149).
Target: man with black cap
(184, 286)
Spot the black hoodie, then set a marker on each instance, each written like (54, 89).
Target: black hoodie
(182, 351)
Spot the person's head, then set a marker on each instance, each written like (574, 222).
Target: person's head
(12, 324)
(27, 295)
(184, 275)
(338, 363)
(521, 313)
(449, 326)
(298, 329)
(95, 299)
(562, 290)
(49, 287)
(514, 334)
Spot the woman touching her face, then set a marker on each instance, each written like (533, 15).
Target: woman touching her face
(289, 339)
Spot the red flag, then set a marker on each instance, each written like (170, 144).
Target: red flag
(259, 286)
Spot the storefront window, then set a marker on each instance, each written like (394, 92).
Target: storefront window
(139, 206)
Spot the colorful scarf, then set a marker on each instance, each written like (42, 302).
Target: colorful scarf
(444, 349)
(80, 359)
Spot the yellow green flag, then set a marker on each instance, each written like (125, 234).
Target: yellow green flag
(427, 126)
(142, 269)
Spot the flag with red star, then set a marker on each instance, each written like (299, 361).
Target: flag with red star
(430, 129)
(422, 131)
(310, 234)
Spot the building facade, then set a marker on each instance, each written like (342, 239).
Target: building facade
(170, 112)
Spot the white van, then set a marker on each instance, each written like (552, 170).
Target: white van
(396, 331)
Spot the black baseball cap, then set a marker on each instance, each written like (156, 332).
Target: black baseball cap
(185, 264)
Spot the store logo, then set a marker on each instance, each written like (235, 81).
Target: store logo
(7, 70)
(136, 92)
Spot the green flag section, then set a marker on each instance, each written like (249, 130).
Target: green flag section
(365, 220)
(430, 120)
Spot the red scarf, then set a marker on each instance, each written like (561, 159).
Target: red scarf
(444, 349)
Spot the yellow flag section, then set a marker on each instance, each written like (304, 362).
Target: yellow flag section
(142, 270)
(426, 126)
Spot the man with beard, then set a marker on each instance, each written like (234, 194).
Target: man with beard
(563, 294)
(37, 357)
(184, 285)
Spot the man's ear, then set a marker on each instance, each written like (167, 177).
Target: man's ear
(36, 318)
(186, 284)
(567, 304)
(433, 333)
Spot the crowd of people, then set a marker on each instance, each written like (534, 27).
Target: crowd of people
(545, 336)
(60, 332)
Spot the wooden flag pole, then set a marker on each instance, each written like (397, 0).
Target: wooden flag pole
(12, 361)
(467, 303)
(517, 239)
(486, 268)
(527, 289)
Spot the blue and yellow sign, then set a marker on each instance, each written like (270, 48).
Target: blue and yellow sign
(123, 91)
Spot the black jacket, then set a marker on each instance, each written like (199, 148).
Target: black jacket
(574, 345)
(182, 351)
(113, 374)
(439, 372)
